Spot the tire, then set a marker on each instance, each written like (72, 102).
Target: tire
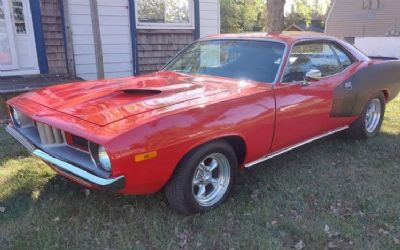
(185, 192)
(369, 123)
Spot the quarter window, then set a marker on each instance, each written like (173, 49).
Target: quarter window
(308, 56)
(164, 12)
(344, 59)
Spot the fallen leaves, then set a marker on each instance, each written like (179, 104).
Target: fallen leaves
(327, 229)
(383, 231)
(340, 210)
(331, 245)
(300, 245)
(183, 238)
(256, 195)
(330, 233)
(87, 192)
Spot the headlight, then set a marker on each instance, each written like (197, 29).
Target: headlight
(100, 157)
(104, 160)
(16, 117)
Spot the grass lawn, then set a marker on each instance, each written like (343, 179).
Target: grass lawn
(331, 193)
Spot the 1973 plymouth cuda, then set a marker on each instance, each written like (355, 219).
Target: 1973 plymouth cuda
(222, 104)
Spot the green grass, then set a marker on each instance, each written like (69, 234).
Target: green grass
(332, 192)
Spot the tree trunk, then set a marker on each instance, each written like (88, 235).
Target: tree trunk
(275, 15)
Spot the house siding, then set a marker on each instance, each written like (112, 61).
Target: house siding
(53, 36)
(157, 47)
(115, 38)
(209, 17)
(379, 46)
(349, 19)
(82, 38)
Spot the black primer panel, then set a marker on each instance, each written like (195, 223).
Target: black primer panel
(371, 79)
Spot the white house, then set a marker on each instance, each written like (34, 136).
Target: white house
(99, 38)
(371, 25)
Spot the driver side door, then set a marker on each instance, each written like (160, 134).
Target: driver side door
(303, 106)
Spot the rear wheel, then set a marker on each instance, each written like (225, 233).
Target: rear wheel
(369, 123)
(203, 179)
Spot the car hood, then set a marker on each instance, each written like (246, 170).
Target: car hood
(107, 101)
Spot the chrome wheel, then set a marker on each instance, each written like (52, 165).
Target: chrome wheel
(373, 115)
(211, 179)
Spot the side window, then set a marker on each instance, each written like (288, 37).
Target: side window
(308, 56)
(344, 59)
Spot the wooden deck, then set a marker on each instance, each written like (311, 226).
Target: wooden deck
(15, 85)
(18, 84)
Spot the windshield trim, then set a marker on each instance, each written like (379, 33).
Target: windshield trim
(278, 72)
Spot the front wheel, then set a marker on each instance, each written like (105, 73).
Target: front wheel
(203, 179)
(370, 121)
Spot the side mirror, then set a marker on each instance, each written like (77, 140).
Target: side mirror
(313, 74)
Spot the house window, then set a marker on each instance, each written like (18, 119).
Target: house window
(2, 15)
(371, 4)
(18, 15)
(164, 13)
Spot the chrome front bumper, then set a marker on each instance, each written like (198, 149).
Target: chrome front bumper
(68, 169)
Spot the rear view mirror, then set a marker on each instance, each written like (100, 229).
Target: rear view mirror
(313, 74)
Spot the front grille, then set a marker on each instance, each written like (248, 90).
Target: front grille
(49, 135)
(80, 143)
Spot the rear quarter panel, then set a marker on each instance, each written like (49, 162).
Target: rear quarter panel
(377, 76)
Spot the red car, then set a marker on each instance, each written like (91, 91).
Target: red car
(222, 104)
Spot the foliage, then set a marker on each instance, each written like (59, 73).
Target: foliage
(242, 16)
(163, 11)
(304, 13)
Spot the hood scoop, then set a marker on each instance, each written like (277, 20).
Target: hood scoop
(142, 92)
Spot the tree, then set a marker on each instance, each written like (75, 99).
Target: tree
(242, 16)
(275, 15)
(303, 13)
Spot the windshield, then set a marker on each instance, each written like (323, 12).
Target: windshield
(238, 59)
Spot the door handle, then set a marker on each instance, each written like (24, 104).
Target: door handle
(305, 83)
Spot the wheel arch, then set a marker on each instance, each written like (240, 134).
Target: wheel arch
(237, 143)
(239, 146)
(386, 94)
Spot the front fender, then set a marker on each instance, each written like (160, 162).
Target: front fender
(173, 136)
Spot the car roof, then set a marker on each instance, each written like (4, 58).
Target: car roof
(285, 36)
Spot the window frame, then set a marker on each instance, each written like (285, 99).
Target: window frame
(144, 25)
(327, 41)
